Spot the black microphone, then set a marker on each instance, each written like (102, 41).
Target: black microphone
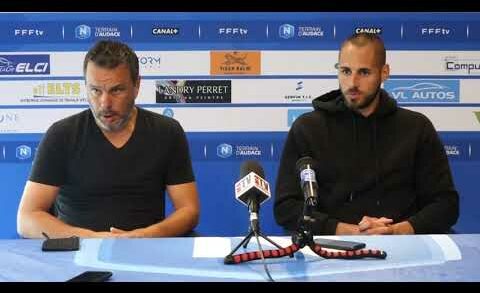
(252, 190)
(308, 181)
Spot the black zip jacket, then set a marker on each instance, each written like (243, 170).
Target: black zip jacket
(390, 164)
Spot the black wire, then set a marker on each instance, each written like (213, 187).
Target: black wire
(270, 279)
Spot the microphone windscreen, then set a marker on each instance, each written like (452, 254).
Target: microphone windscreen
(251, 166)
(302, 162)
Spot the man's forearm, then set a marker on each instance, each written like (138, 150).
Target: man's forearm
(178, 223)
(33, 224)
(346, 229)
(403, 228)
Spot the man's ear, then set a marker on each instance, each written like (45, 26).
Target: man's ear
(385, 72)
(137, 87)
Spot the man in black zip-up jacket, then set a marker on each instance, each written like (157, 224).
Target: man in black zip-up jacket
(380, 169)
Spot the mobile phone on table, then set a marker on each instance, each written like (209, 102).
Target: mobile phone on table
(92, 276)
(339, 244)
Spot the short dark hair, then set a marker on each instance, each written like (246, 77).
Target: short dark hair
(363, 39)
(110, 54)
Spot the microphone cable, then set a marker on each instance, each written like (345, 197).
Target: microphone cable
(270, 279)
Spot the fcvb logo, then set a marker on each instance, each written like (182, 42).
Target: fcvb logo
(83, 32)
(224, 150)
(23, 152)
(286, 31)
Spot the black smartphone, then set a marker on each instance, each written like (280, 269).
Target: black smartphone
(339, 244)
(61, 244)
(92, 276)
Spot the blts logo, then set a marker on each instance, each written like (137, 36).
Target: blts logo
(24, 64)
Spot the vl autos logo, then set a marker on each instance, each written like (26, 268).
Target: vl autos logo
(424, 91)
(224, 150)
(28, 64)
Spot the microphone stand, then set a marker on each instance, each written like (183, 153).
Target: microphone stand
(254, 229)
(301, 238)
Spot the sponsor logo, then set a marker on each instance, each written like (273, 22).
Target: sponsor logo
(293, 114)
(310, 32)
(435, 31)
(165, 31)
(168, 112)
(107, 32)
(83, 32)
(452, 150)
(8, 118)
(477, 114)
(56, 92)
(232, 31)
(369, 30)
(24, 32)
(286, 31)
(23, 152)
(248, 150)
(224, 150)
(235, 62)
(426, 91)
(469, 66)
(298, 96)
(7, 121)
(193, 91)
(24, 64)
(149, 61)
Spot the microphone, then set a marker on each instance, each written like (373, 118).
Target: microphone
(308, 181)
(252, 190)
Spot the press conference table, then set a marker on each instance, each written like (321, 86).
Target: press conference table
(410, 258)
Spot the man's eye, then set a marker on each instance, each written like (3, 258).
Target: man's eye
(364, 72)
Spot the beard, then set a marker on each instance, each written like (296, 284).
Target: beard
(119, 123)
(360, 105)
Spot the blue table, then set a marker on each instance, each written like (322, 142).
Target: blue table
(410, 258)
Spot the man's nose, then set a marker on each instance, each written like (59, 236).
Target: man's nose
(354, 80)
(106, 101)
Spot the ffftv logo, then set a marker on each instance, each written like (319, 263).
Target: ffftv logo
(24, 64)
(28, 32)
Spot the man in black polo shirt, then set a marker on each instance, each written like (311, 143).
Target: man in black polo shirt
(106, 169)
